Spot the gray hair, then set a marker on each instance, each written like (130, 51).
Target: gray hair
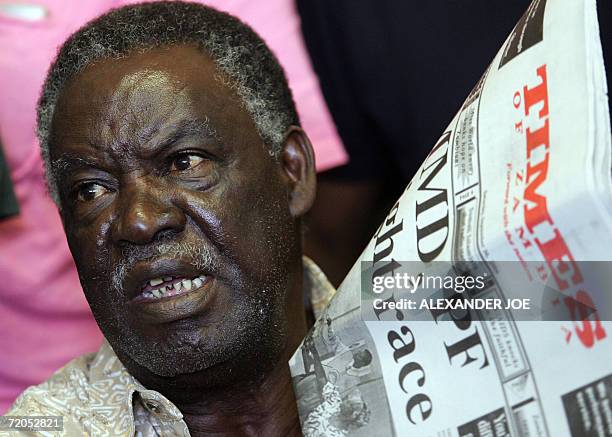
(237, 51)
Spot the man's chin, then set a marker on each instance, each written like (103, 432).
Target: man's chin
(244, 342)
(206, 362)
(167, 359)
(183, 381)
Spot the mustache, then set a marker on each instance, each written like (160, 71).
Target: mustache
(199, 255)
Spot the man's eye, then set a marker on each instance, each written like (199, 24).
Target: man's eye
(90, 191)
(186, 161)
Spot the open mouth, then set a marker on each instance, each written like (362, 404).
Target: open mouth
(167, 286)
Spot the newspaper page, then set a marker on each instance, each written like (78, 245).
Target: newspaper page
(480, 306)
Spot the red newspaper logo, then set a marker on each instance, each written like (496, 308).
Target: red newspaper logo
(540, 228)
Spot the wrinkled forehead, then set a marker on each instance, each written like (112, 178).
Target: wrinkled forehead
(119, 104)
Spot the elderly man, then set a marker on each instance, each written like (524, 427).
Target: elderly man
(174, 153)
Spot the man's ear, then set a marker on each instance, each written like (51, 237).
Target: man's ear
(298, 162)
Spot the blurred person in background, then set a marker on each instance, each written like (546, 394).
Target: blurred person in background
(40, 292)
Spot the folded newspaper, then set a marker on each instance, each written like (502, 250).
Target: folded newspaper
(480, 306)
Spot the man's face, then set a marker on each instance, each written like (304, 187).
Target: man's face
(176, 214)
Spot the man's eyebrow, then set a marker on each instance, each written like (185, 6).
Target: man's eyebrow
(70, 162)
(184, 129)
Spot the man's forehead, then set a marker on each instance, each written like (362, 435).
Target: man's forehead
(133, 98)
(159, 72)
(183, 61)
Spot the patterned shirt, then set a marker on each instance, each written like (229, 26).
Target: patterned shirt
(97, 397)
(319, 421)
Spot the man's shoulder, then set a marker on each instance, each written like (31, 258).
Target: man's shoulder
(52, 395)
(90, 393)
(57, 396)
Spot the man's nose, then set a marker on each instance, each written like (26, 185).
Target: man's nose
(144, 214)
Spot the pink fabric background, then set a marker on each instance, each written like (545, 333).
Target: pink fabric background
(44, 318)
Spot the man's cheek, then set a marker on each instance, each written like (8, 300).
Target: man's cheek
(266, 237)
(92, 256)
(94, 236)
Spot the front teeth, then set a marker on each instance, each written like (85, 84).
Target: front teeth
(171, 290)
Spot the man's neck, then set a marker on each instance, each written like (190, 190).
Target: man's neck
(266, 409)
